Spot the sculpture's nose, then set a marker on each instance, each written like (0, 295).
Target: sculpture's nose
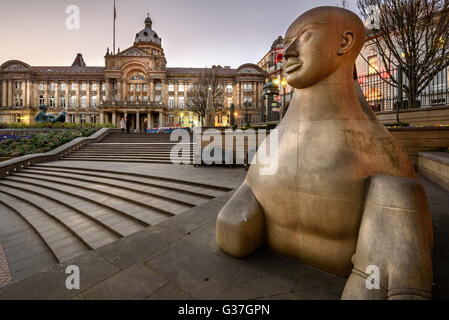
(289, 50)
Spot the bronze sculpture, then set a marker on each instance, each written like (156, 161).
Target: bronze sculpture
(43, 116)
(345, 196)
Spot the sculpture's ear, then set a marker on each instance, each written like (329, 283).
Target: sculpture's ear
(347, 41)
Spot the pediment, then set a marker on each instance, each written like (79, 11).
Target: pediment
(15, 66)
(133, 52)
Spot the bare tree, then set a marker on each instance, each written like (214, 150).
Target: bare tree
(411, 36)
(206, 91)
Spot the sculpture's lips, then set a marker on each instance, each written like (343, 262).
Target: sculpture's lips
(292, 67)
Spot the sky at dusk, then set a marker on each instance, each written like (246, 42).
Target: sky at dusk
(195, 33)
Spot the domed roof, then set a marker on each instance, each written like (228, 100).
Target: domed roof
(279, 42)
(148, 34)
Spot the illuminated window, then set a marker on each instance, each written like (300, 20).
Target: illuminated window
(373, 64)
(180, 102)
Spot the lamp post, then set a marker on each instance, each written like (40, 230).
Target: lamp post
(284, 86)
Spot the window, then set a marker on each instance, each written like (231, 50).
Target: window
(115, 97)
(52, 101)
(18, 100)
(94, 87)
(145, 87)
(41, 86)
(73, 101)
(145, 98)
(250, 87)
(158, 98)
(180, 102)
(373, 65)
(131, 98)
(190, 87)
(220, 119)
(93, 101)
(138, 98)
(72, 118)
(83, 101)
(171, 87)
(171, 102)
(158, 86)
(52, 86)
(41, 100)
(83, 86)
(114, 85)
(63, 86)
(171, 119)
(138, 87)
(73, 86)
(245, 87)
(103, 86)
(93, 119)
(18, 85)
(82, 118)
(229, 88)
(131, 87)
(62, 101)
(181, 87)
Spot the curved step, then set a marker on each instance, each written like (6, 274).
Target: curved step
(87, 229)
(61, 241)
(25, 250)
(121, 176)
(164, 206)
(139, 213)
(169, 181)
(126, 185)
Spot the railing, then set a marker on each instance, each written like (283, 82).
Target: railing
(383, 96)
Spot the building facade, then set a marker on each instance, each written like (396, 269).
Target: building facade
(278, 93)
(134, 83)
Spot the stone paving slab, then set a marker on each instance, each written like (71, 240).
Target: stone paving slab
(179, 259)
(5, 277)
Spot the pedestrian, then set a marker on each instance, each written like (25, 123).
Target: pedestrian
(122, 125)
(128, 125)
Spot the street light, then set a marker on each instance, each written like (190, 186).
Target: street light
(284, 86)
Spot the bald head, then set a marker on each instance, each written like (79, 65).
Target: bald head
(321, 41)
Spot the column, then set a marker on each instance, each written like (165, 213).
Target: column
(57, 94)
(28, 93)
(124, 90)
(137, 121)
(160, 120)
(102, 117)
(151, 90)
(108, 90)
(163, 92)
(4, 94)
(176, 94)
(34, 95)
(78, 98)
(114, 118)
(88, 94)
(9, 93)
(98, 93)
(67, 98)
(149, 121)
(119, 90)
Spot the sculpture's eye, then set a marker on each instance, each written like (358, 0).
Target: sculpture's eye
(305, 36)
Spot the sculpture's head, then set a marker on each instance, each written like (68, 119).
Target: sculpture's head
(320, 42)
(43, 107)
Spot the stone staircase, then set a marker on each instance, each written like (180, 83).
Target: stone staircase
(133, 148)
(54, 212)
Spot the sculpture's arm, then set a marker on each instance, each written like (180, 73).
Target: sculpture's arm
(240, 226)
(396, 237)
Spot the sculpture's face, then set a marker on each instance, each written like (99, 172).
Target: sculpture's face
(311, 52)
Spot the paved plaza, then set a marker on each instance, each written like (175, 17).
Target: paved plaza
(178, 258)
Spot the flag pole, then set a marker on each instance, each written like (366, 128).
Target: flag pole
(115, 17)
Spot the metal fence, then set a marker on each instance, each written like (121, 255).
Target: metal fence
(382, 96)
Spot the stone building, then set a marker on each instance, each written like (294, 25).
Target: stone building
(134, 83)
